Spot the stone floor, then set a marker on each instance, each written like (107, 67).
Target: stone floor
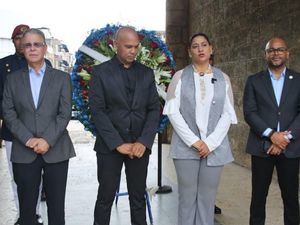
(233, 196)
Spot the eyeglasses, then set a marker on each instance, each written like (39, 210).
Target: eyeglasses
(277, 50)
(34, 44)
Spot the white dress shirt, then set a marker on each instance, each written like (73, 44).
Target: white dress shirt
(202, 113)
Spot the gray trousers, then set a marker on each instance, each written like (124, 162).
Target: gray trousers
(197, 189)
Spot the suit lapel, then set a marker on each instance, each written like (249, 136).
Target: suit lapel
(288, 79)
(27, 87)
(45, 83)
(268, 85)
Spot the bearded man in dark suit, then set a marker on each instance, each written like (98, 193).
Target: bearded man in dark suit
(272, 110)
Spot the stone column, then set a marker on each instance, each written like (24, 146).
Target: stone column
(177, 30)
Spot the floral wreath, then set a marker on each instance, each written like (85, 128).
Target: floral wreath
(98, 48)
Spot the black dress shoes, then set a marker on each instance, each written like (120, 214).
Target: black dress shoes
(39, 221)
(218, 210)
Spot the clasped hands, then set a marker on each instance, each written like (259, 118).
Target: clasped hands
(202, 148)
(39, 145)
(279, 142)
(132, 149)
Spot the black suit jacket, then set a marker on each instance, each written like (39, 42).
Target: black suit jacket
(115, 120)
(261, 111)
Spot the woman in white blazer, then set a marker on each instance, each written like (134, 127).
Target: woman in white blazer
(200, 107)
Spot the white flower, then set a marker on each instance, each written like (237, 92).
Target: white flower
(158, 73)
(85, 75)
(161, 59)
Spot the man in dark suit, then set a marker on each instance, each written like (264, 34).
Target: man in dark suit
(125, 110)
(272, 110)
(37, 109)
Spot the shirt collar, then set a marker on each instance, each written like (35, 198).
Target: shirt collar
(281, 75)
(120, 64)
(41, 71)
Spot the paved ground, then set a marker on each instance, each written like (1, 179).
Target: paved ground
(233, 196)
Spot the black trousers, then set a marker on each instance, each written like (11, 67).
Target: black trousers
(288, 179)
(28, 179)
(109, 173)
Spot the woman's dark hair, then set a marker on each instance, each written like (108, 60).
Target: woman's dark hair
(196, 35)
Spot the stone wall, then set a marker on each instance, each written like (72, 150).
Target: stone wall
(177, 34)
(239, 30)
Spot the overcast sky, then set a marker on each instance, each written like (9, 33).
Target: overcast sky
(71, 21)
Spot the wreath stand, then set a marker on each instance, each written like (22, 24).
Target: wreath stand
(162, 189)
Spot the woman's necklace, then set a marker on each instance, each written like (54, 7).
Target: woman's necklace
(201, 73)
(202, 83)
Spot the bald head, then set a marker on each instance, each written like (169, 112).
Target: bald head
(276, 40)
(127, 45)
(124, 32)
(276, 54)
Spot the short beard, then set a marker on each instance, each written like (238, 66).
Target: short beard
(272, 66)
